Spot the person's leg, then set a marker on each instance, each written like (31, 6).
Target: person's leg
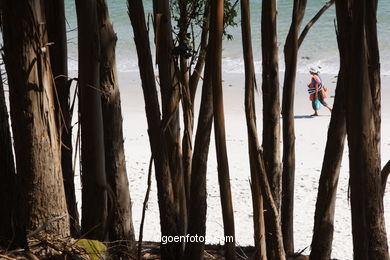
(314, 107)
(321, 99)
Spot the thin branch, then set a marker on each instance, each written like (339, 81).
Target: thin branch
(44, 226)
(313, 21)
(384, 174)
(141, 229)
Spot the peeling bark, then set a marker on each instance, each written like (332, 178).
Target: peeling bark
(37, 145)
(56, 31)
(120, 224)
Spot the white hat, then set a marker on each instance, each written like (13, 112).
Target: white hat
(313, 70)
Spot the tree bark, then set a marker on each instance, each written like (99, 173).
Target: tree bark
(216, 29)
(120, 225)
(368, 227)
(56, 31)
(12, 229)
(168, 213)
(321, 245)
(198, 204)
(188, 113)
(196, 74)
(250, 83)
(170, 97)
(271, 103)
(37, 145)
(93, 178)
(288, 175)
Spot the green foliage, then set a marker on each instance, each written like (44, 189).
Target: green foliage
(187, 30)
(95, 249)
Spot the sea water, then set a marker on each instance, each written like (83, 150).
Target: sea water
(319, 48)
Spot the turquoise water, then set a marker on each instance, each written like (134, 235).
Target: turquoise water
(318, 49)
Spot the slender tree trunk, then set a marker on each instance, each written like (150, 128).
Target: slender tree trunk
(37, 145)
(271, 102)
(195, 76)
(321, 245)
(216, 28)
(168, 214)
(188, 113)
(368, 227)
(170, 97)
(317, 16)
(290, 56)
(56, 31)
(93, 178)
(120, 225)
(198, 204)
(250, 82)
(189, 86)
(12, 229)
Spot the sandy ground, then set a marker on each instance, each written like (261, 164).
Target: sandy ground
(310, 145)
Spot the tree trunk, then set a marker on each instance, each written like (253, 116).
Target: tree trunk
(120, 225)
(56, 31)
(198, 204)
(313, 21)
(197, 207)
(321, 245)
(271, 103)
(195, 76)
(37, 145)
(250, 82)
(12, 229)
(168, 214)
(93, 178)
(188, 113)
(216, 30)
(170, 97)
(368, 227)
(288, 175)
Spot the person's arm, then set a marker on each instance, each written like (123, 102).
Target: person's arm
(316, 87)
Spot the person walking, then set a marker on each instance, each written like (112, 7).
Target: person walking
(317, 91)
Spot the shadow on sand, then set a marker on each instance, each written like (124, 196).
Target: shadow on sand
(309, 116)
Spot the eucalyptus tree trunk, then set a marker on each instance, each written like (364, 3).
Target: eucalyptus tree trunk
(271, 100)
(200, 63)
(362, 104)
(190, 79)
(168, 213)
(170, 97)
(198, 204)
(12, 229)
(37, 144)
(288, 175)
(250, 83)
(188, 112)
(93, 177)
(321, 245)
(216, 29)
(56, 32)
(120, 225)
(363, 121)
(197, 207)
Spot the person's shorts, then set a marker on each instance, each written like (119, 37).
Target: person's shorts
(321, 99)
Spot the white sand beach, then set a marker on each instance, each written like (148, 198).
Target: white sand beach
(311, 134)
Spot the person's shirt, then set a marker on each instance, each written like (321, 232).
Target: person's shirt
(315, 79)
